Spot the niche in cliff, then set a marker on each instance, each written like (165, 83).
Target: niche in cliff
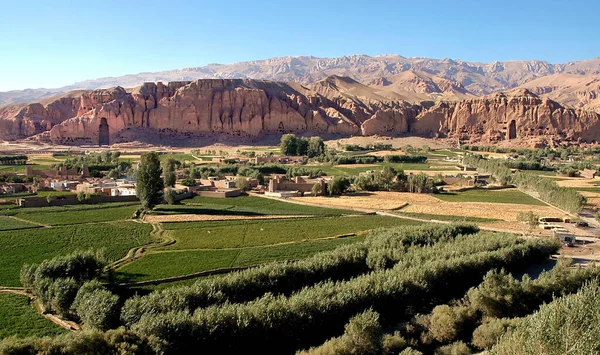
(512, 130)
(103, 132)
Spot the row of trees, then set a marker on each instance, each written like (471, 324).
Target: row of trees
(545, 189)
(380, 250)
(306, 317)
(13, 159)
(390, 179)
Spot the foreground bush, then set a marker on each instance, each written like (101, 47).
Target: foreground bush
(363, 336)
(117, 341)
(55, 282)
(569, 325)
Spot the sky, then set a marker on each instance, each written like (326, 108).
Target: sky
(51, 44)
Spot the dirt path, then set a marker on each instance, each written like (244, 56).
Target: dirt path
(157, 233)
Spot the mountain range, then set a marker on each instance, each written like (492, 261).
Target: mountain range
(356, 95)
(576, 84)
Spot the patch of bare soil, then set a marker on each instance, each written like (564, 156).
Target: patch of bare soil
(582, 253)
(425, 203)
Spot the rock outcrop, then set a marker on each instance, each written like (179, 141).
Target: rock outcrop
(256, 108)
(502, 116)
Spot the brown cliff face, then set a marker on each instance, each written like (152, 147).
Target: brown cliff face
(256, 108)
(517, 114)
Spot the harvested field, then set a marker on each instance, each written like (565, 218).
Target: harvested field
(206, 217)
(576, 182)
(371, 200)
(505, 211)
(428, 204)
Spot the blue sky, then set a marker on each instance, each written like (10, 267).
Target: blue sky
(56, 43)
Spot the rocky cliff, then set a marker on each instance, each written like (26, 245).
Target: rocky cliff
(257, 108)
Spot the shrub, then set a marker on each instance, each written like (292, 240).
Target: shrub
(97, 307)
(487, 334)
(363, 335)
(567, 325)
(457, 348)
(450, 323)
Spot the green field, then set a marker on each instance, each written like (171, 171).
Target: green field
(35, 245)
(9, 223)
(54, 193)
(245, 205)
(68, 208)
(241, 234)
(66, 217)
(167, 264)
(18, 318)
(204, 246)
(490, 196)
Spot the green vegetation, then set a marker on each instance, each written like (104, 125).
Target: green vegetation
(490, 196)
(149, 186)
(67, 217)
(251, 233)
(19, 318)
(35, 245)
(55, 282)
(68, 208)
(345, 262)
(9, 223)
(204, 246)
(168, 264)
(545, 189)
(318, 311)
(13, 159)
(246, 205)
(568, 325)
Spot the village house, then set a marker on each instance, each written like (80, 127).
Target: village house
(280, 185)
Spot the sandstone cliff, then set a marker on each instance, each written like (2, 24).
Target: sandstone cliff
(256, 108)
(501, 116)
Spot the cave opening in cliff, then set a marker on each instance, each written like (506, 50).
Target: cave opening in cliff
(103, 132)
(512, 130)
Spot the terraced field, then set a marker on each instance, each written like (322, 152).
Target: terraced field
(34, 245)
(167, 264)
(67, 217)
(201, 246)
(18, 318)
(245, 205)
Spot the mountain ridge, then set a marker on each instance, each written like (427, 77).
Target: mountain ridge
(476, 78)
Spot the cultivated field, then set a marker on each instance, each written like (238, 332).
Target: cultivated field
(18, 318)
(34, 245)
(201, 246)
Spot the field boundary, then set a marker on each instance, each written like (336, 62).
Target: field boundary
(139, 251)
